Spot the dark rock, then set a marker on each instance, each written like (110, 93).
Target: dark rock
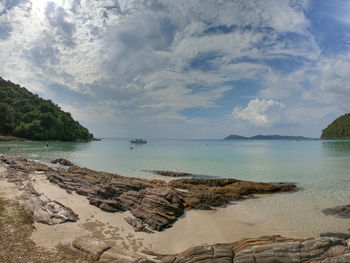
(338, 235)
(338, 211)
(159, 207)
(110, 206)
(63, 162)
(171, 173)
(207, 193)
(138, 225)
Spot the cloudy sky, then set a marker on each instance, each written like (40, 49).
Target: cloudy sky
(183, 68)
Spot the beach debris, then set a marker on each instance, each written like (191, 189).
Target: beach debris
(91, 246)
(62, 161)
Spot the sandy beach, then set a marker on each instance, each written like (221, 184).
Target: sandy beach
(231, 223)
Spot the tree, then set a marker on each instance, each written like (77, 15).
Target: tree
(6, 118)
(26, 115)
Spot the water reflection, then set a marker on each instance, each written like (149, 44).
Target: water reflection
(336, 148)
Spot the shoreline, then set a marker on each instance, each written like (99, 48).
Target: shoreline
(9, 138)
(113, 229)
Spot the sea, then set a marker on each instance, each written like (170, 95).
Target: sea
(320, 169)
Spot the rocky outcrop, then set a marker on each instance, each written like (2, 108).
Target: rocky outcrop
(21, 171)
(338, 211)
(45, 210)
(62, 161)
(206, 253)
(266, 250)
(208, 193)
(90, 246)
(157, 204)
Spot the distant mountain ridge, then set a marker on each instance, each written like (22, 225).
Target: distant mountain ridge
(266, 137)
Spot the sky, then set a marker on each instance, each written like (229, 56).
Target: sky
(183, 68)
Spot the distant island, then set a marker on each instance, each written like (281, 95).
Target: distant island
(266, 137)
(26, 115)
(338, 129)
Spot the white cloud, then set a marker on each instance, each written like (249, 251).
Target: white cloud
(150, 60)
(260, 112)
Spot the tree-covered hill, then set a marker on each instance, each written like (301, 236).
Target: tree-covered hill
(24, 114)
(338, 129)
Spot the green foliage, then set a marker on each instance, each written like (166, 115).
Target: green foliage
(24, 114)
(2, 206)
(6, 118)
(338, 129)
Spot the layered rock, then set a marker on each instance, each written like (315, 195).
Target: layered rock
(62, 161)
(44, 210)
(266, 250)
(208, 193)
(157, 204)
(21, 171)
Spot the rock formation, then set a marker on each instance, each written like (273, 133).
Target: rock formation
(157, 204)
(172, 174)
(338, 211)
(90, 246)
(21, 171)
(62, 161)
(267, 249)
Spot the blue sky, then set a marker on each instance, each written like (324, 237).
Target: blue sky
(183, 69)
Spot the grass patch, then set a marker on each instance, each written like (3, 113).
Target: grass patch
(16, 227)
(66, 252)
(25, 217)
(2, 206)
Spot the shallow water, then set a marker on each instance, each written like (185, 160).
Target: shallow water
(320, 168)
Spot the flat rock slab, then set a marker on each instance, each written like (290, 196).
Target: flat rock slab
(91, 246)
(338, 211)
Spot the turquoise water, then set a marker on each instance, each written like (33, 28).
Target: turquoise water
(297, 161)
(315, 165)
(321, 170)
